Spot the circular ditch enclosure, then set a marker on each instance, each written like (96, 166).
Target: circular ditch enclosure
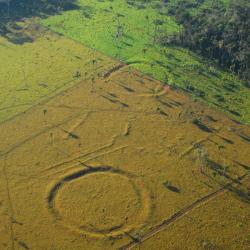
(100, 201)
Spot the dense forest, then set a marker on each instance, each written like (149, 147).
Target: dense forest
(219, 32)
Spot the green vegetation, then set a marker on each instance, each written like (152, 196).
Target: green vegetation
(219, 32)
(135, 31)
(139, 33)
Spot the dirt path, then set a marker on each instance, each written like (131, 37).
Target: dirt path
(162, 226)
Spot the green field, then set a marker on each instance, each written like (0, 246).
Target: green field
(33, 72)
(128, 32)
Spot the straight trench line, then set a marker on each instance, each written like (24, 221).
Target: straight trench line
(70, 118)
(21, 143)
(162, 226)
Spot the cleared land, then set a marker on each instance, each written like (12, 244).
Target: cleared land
(129, 30)
(118, 159)
(97, 155)
(206, 233)
(31, 72)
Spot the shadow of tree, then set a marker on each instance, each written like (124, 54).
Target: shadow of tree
(238, 187)
(21, 9)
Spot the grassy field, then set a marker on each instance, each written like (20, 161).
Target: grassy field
(206, 233)
(34, 71)
(101, 169)
(96, 154)
(127, 33)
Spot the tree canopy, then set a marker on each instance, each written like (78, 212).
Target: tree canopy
(221, 33)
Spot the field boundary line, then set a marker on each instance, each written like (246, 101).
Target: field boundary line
(162, 226)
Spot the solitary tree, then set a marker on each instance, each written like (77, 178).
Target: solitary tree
(157, 23)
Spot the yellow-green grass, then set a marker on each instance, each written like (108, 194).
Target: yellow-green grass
(222, 230)
(116, 160)
(35, 71)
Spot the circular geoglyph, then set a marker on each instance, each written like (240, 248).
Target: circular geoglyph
(100, 201)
